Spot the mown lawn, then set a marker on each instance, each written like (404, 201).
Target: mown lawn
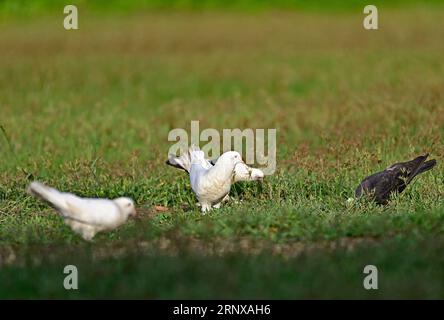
(89, 112)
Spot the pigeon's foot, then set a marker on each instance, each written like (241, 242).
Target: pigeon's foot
(217, 205)
(87, 232)
(88, 238)
(205, 207)
(226, 198)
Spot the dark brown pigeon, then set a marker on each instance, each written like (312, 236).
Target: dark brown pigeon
(381, 185)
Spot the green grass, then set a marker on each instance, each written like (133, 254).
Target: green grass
(317, 275)
(89, 112)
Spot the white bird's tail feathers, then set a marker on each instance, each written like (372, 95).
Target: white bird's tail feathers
(47, 194)
(184, 161)
(197, 156)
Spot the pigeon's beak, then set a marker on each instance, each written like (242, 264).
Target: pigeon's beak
(257, 175)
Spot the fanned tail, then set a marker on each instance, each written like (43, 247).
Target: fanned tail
(184, 161)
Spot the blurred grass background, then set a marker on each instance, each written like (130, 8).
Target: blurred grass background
(26, 8)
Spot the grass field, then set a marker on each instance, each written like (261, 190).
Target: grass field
(89, 111)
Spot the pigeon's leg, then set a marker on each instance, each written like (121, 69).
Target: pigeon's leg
(85, 231)
(217, 205)
(228, 198)
(75, 226)
(88, 233)
(205, 207)
(224, 199)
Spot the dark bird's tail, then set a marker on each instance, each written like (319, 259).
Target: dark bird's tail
(426, 166)
(419, 165)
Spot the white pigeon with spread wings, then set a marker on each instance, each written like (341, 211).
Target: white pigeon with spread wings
(85, 216)
(242, 172)
(211, 182)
